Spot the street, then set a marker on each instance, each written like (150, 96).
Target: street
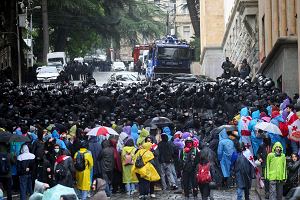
(217, 194)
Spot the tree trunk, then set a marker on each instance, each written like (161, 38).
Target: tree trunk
(61, 39)
(193, 6)
(45, 30)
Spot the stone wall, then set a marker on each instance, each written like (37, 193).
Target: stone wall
(241, 35)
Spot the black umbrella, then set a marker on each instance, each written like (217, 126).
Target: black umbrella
(158, 121)
(9, 137)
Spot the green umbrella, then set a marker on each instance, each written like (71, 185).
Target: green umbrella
(57, 191)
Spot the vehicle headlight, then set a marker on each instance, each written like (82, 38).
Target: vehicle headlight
(52, 78)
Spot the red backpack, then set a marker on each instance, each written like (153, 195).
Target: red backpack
(203, 174)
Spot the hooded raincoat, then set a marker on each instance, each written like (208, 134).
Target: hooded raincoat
(254, 140)
(134, 133)
(168, 132)
(277, 138)
(144, 133)
(276, 165)
(148, 171)
(84, 178)
(100, 193)
(128, 177)
(225, 151)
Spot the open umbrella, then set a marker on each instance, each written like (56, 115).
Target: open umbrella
(158, 121)
(102, 130)
(9, 137)
(227, 128)
(269, 127)
(57, 191)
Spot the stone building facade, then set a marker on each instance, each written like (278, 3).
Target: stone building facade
(212, 31)
(241, 35)
(278, 43)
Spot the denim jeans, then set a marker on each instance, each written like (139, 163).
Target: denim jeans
(25, 186)
(240, 193)
(276, 190)
(130, 187)
(83, 194)
(166, 171)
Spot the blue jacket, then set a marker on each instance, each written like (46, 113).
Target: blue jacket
(243, 113)
(275, 137)
(167, 131)
(134, 133)
(61, 144)
(254, 140)
(225, 151)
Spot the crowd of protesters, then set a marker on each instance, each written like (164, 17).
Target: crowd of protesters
(193, 152)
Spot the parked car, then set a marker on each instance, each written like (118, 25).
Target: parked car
(118, 66)
(47, 74)
(58, 66)
(125, 78)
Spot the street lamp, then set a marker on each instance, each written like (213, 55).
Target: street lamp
(31, 43)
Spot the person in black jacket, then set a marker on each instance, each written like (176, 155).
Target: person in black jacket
(107, 163)
(25, 166)
(6, 177)
(264, 149)
(293, 168)
(166, 160)
(67, 178)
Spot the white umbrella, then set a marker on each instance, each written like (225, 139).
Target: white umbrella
(269, 127)
(102, 130)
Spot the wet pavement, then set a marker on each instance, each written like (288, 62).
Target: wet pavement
(229, 194)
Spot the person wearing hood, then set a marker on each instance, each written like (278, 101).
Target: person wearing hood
(166, 160)
(64, 170)
(95, 148)
(99, 188)
(188, 158)
(255, 141)
(129, 179)
(225, 151)
(117, 171)
(243, 128)
(277, 119)
(168, 132)
(275, 171)
(146, 173)
(244, 173)
(25, 166)
(107, 163)
(140, 141)
(84, 177)
(123, 137)
(134, 133)
(58, 141)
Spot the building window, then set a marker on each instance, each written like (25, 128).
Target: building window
(186, 31)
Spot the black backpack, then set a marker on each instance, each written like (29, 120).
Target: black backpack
(80, 162)
(4, 164)
(60, 171)
(139, 163)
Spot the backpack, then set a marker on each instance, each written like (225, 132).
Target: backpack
(80, 162)
(203, 174)
(128, 159)
(60, 171)
(4, 164)
(139, 163)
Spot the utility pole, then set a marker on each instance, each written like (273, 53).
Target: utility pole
(18, 46)
(167, 23)
(45, 30)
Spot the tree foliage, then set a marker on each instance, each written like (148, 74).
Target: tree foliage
(79, 25)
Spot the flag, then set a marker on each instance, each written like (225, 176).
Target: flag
(245, 133)
(294, 127)
(247, 153)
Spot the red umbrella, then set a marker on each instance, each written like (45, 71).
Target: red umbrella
(102, 130)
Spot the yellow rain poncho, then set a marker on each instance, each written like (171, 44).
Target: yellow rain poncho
(148, 171)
